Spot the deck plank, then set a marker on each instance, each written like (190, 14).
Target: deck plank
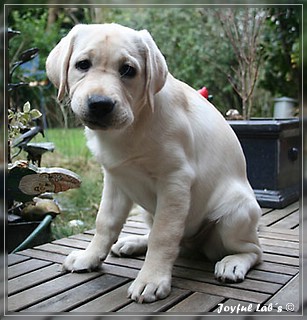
(272, 257)
(277, 268)
(224, 291)
(73, 243)
(288, 294)
(290, 252)
(41, 292)
(15, 258)
(113, 300)
(202, 302)
(76, 296)
(82, 236)
(44, 255)
(25, 266)
(288, 234)
(56, 248)
(289, 222)
(33, 278)
(268, 276)
(279, 234)
(274, 216)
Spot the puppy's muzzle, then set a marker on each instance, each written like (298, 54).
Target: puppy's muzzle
(101, 112)
(100, 106)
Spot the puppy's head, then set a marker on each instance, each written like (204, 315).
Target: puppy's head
(110, 73)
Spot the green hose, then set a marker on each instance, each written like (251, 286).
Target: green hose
(42, 226)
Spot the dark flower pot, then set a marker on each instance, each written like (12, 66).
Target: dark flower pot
(17, 232)
(272, 149)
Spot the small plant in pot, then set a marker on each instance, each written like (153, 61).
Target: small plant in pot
(31, 207)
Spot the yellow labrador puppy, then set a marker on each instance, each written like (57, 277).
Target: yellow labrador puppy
(162, 146)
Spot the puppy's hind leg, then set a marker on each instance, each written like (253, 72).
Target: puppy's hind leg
(238, 234)
(133, 245)
(130, 246)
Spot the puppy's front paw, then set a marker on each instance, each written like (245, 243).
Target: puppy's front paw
(230, 269)
(149, 289)
(81, 261)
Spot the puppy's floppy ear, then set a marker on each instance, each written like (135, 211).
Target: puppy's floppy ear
(57, 63)
(156, 67)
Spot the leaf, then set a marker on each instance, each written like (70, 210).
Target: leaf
(26, 107)
(11, 114)
(35, 114)
(24, 120)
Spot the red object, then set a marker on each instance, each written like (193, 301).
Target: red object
(204, 92)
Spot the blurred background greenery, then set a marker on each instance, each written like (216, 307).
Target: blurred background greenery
(193, 41)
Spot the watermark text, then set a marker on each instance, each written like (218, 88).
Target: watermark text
(239, 308)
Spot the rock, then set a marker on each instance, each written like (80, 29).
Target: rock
(37, 210)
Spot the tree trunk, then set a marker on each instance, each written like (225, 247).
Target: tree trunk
(52, 17)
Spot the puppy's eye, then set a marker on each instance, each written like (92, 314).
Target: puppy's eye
(127, 71)
(83, 65)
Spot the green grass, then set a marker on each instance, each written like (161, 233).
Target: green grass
(69, 142)
(82, 204)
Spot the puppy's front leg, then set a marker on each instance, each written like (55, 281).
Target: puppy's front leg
(154, 280)
(113, 211)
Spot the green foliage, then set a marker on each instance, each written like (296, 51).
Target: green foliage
(36, 31)
(21, 119)
(191, 39)
(282, 52)
(23, 22)
(32, 24)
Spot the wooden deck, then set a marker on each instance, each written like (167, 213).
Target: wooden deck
(36, 283)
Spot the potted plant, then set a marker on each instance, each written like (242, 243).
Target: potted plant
(271, 146)
(30, 205)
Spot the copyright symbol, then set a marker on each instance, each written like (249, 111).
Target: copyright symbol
(290, 307)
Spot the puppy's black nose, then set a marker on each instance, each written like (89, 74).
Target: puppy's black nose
(100, 106)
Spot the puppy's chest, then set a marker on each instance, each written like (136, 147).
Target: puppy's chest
(139, 183)
(139, 161)
(135, 172)
(136, 164)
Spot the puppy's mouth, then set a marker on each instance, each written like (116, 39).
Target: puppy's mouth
(95, 125)
(111, 124)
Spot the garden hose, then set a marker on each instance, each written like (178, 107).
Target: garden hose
(41, 227)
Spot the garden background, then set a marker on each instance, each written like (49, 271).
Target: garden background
(198, 51)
